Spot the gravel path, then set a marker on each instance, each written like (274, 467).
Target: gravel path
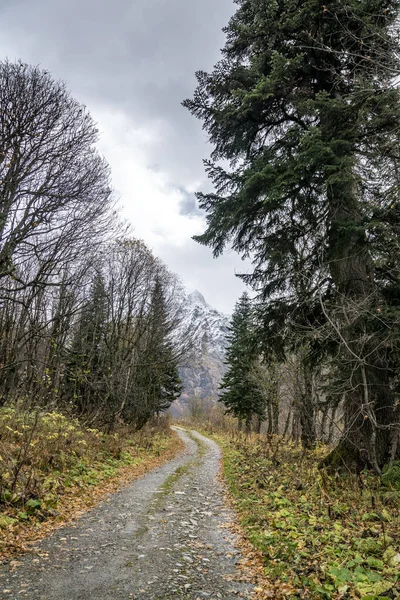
(161, 537)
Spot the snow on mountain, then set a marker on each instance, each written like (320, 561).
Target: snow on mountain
(202, 375)
(197, 298)
(211, 325)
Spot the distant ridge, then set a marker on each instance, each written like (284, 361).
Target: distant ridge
(202, 376)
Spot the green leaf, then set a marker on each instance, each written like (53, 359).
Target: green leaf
(6, 521)
(33, 505)
(374, 588)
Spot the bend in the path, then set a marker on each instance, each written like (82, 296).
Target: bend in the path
(164, 536)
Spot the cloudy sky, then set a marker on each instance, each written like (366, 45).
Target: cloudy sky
(132, 62)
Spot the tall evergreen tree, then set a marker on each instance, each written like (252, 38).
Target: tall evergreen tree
(85, 385)
(240, 394)
(157, 379)
(303, 107)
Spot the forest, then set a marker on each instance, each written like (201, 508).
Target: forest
(302, 111)
(90, 319)
(302, 116)
(91, 322)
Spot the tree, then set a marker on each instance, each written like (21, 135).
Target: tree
(265, 378)
(157, 379)
(240, 393)
(56, 211)
(303, 108)
(85, 380)
(54, 186)
(88, 323)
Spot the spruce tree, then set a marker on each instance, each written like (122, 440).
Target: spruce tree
(303, 108)
(240, 394)
(85, 381)
(157, 383)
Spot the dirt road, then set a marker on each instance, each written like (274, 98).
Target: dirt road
(161, 537)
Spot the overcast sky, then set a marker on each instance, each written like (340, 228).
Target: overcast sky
(132, 62)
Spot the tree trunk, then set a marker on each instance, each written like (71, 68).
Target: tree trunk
(295, 424)
(369, 407)
(270, 426)
(307, 410)
(275, 410)
(287, 423)
(258, 424)
(332, 424)
(323, 436)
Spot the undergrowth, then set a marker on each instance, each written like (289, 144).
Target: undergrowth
(320, 537)
(51, 466)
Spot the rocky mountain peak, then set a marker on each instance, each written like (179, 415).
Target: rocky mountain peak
(197, 298)
(202, 376)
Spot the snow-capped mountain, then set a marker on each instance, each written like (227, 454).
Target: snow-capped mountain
(202, 375)
(211, 325)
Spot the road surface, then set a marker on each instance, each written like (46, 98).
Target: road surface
(164, 536)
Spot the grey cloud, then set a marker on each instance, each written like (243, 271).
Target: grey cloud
(189, 205)
(214, 278)
(139, 55)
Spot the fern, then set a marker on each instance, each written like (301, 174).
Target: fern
(391, 475)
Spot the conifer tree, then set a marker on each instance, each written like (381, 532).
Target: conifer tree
(157, 382)
(240, 394)
(303, 108)
(85, 385)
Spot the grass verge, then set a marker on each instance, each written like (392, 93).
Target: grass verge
(52, 470)
(316, 537)
(171, 480)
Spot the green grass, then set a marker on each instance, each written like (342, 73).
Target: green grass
(320, 538)
(169, 483)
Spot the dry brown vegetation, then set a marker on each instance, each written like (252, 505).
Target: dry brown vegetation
(52, 469)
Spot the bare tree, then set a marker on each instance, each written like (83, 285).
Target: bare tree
(54, 186)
